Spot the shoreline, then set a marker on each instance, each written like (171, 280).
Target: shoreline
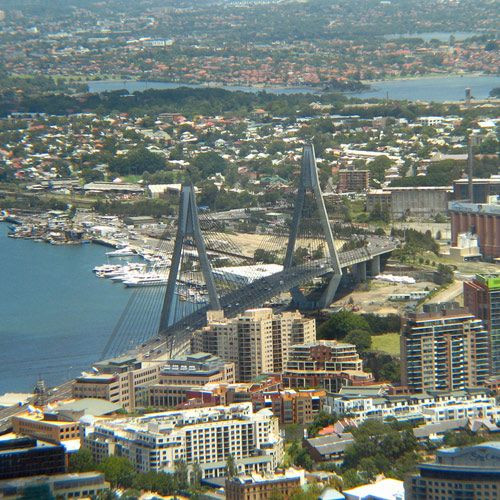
(289, 88)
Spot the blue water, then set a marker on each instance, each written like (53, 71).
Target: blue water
(442, 36)
(437, 89)
(55, 314)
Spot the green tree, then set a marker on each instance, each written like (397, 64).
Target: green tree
(231, 467)
(360, 338)
(264, 256)
(181, 474)
(81, 461)
(118, 471)
(196, 475)
(340, 324)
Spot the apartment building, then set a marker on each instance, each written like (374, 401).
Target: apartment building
(256, 341)
(444, 350)
(205, 435)
(327, 364)
(351, 180)
(291, 406)
(263, 487)
(430, 407)
(116, 380)
(482, 299)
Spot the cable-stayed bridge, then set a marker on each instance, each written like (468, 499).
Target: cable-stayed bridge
(213, 268)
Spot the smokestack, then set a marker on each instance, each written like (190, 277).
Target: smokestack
(468, 96)
(470, 163)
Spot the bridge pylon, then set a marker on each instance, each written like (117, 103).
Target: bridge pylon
(309, 182)
(188, 228)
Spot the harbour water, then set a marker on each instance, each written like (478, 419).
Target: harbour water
(55, 315)
(437, 89)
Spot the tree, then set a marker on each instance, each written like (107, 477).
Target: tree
(118, 471)
(378, 168)
(232, 469)
(445, 274)
(360, 338)
(264, 256)
(81, 461)
(181, 474)
(340, 324)
(196, 475)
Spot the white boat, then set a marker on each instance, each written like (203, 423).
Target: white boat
(146, 280)
(121, 252)
(106, 268)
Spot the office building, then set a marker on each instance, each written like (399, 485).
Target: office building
(116, 380)
(205, 435)
(25, 456)
(264, 487)
(472, 472)
(478, 219)
(444, 350)
(351, 180)
(329, 365)
(256, 341)
(60, 486)
(181, 375)
(482, 299)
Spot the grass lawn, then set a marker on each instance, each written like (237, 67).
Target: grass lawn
(388, 342)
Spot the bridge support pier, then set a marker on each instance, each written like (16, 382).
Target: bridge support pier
(360, 272)
(375, 266)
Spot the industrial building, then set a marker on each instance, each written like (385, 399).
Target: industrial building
(478, 219)
(401, 202)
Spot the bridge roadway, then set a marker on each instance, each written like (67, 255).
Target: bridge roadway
(253, 295)
(259, 291)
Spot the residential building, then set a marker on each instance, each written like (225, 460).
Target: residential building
(256, 341)
(479, 219)
(116, 380)
(25, 456)
(61, 486)
(472, 472)
(264, 487)
(429, 407)
(205, 435)
(482, 299)
(351, 180)
(291, 406)
(326, 364)
(444, 350)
